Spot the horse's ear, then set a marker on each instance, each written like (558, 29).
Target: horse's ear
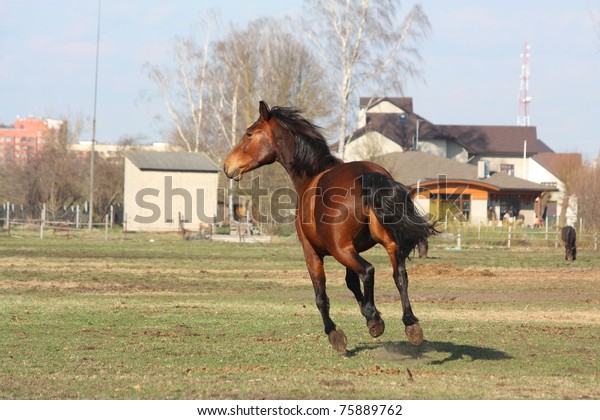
(264, 111)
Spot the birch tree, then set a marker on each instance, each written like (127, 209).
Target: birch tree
(365, 43)
(183, 87)
(587, 190)
(265, 61)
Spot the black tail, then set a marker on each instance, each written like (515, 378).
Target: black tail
(396, 211)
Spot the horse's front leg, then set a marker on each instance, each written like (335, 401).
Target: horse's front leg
(314, 263)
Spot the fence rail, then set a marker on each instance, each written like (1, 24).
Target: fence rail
(510, 237)
(453, 235)
(65, 219)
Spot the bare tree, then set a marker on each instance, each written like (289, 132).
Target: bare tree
(264, 61)
(212, 89)
(56, 177)
(183, 87)
(586, 187)
(568, 168)
(108, 188)
(365, 43)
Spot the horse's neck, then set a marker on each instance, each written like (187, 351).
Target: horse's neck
(300, 181)
(303, 182)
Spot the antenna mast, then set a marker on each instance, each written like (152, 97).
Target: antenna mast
(92, 151)
(524, 98)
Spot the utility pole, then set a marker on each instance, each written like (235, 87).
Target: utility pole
(91, 198)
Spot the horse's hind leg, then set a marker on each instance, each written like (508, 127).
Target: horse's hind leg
(357, 270)
(353, 283)
(413, 330)
(374, 321)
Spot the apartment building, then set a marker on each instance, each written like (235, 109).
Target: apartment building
(26, 138)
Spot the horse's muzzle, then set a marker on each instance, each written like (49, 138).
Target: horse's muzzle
(234, 174)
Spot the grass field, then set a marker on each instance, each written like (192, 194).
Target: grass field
(130, 318)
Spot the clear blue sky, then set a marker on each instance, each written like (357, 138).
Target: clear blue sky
(471, 67)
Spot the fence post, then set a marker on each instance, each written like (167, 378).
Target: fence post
(458, 240)
(8, 216)
(77, 216)
(106, 227)
(42, 221)
(509, 235)
(556, 238)
(595, 241)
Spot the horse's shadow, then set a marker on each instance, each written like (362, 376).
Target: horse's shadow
(406, 350)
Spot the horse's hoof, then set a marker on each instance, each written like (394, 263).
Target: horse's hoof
(414, 334)
(376, 328)
(338, 340)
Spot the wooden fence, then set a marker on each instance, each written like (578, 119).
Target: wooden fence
(465, 236)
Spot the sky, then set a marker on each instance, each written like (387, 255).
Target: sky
(471, 62)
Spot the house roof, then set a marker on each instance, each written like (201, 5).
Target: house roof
(409, 168)
(171, 161)
(406, 104)
(400, 129)
(476, 139)
(559, 164)
(490, 139)
(543, 147)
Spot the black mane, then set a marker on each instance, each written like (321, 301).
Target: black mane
(312, 155)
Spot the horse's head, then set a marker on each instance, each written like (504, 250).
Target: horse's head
(256, 148)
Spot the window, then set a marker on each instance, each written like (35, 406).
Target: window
(507, 169)
(457, 206)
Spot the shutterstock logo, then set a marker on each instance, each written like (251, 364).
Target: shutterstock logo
(169, 193)
(277, 205)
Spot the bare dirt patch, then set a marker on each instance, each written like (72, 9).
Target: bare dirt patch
(449, 270)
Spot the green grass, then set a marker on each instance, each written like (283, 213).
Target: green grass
(84, 318)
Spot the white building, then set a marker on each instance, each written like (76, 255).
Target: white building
(165, 191)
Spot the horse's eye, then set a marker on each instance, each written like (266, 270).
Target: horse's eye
(248, 133)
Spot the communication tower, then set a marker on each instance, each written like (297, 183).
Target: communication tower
(524, 98)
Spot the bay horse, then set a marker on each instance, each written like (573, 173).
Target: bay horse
(342, 210)
(569, 238)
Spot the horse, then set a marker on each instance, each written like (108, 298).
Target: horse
(342, 210)
(569, 238)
